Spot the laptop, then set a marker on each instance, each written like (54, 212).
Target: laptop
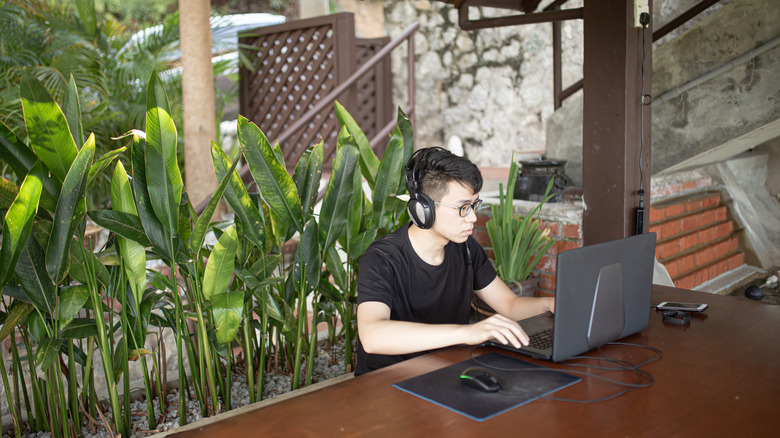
(602, 294)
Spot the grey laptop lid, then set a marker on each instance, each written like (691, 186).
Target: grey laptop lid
(602, 294)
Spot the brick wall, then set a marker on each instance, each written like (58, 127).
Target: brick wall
(697, 238)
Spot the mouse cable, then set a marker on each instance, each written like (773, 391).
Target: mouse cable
(618, 365)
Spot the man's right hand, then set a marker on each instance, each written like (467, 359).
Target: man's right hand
(500, 328)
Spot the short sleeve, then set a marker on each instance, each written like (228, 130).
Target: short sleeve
(484, 273)
(375, 276)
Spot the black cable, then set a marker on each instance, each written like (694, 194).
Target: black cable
(644, 100)
(617, 365)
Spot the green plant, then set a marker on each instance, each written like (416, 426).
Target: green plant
(63, 300)
(518, 242)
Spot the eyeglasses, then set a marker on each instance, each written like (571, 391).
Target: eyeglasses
(464, 209)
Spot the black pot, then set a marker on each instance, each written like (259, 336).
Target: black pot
(534, 175)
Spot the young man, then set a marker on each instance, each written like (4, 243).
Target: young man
(415, 285)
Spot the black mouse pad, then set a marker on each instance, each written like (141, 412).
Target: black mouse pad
(522, 382)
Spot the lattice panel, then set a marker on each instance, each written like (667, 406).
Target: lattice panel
(295, 66)
(373, 89)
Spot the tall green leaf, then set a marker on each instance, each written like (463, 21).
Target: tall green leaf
(132, 253)
(404, 127)
(162, 168)
(219, 267)
(368, 159)
(307, 176)
(227, 308)
(47, 127)
(71, 208)
(248, 214)
(32, 275)
(18, 313)
(124, 224)
(18, 222)
(22, 159)
(72, 300)
(102, 163)
(390, 170)
(308, 262)
(72, 110)
(203, 221)
(152, 226)
(335, 204)
(275, 183)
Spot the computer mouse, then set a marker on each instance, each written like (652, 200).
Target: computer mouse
(481, 379)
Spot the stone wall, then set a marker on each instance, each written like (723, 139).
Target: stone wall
(491, 88)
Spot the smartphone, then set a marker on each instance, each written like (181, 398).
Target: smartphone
(687, 307)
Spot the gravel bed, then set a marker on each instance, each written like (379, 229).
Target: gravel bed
(274, 384)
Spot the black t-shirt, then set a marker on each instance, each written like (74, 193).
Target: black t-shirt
(392, 273)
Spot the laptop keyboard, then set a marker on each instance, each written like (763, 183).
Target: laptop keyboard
(541, 340)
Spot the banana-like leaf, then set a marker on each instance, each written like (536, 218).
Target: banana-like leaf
(335, 204)
(15, 153)
(47, 127)
(307, 176)
(250, 217)
(102, 163)
(80, 328)
(151, 225)
(8, 192)
(275, 183)
(227, 308)
(361, 242)
(18, 312)
(391, 169)
(162, 169)
(403, 126)
(72, 299)
(131, 252)
(72, 111)
(124, 224)
(219, 267)
(18, 222)
(202, 224)
(356, 207)
(76, 267)
(368, 159)
(22, 159)
(308, 262)
(336, 267)
(32, 275)
(265, 266)
(47, 352)
(71, 208)
(330, 292)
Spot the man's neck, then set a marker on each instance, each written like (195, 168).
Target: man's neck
(428, 244)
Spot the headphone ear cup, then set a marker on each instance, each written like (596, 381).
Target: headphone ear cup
(421, 210)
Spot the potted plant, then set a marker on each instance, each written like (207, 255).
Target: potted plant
(518, 242)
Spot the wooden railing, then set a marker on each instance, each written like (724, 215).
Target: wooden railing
(378, 142)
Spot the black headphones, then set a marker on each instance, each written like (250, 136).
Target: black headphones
(421, 208)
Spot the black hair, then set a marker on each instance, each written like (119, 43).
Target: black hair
(438, 166)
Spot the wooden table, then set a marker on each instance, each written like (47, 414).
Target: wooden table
(719, 376)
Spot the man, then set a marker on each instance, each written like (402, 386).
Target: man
(415, 285)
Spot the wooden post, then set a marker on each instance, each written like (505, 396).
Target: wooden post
(197, 98)
(612, 125)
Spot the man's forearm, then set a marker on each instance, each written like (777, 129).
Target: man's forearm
(402, 337)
